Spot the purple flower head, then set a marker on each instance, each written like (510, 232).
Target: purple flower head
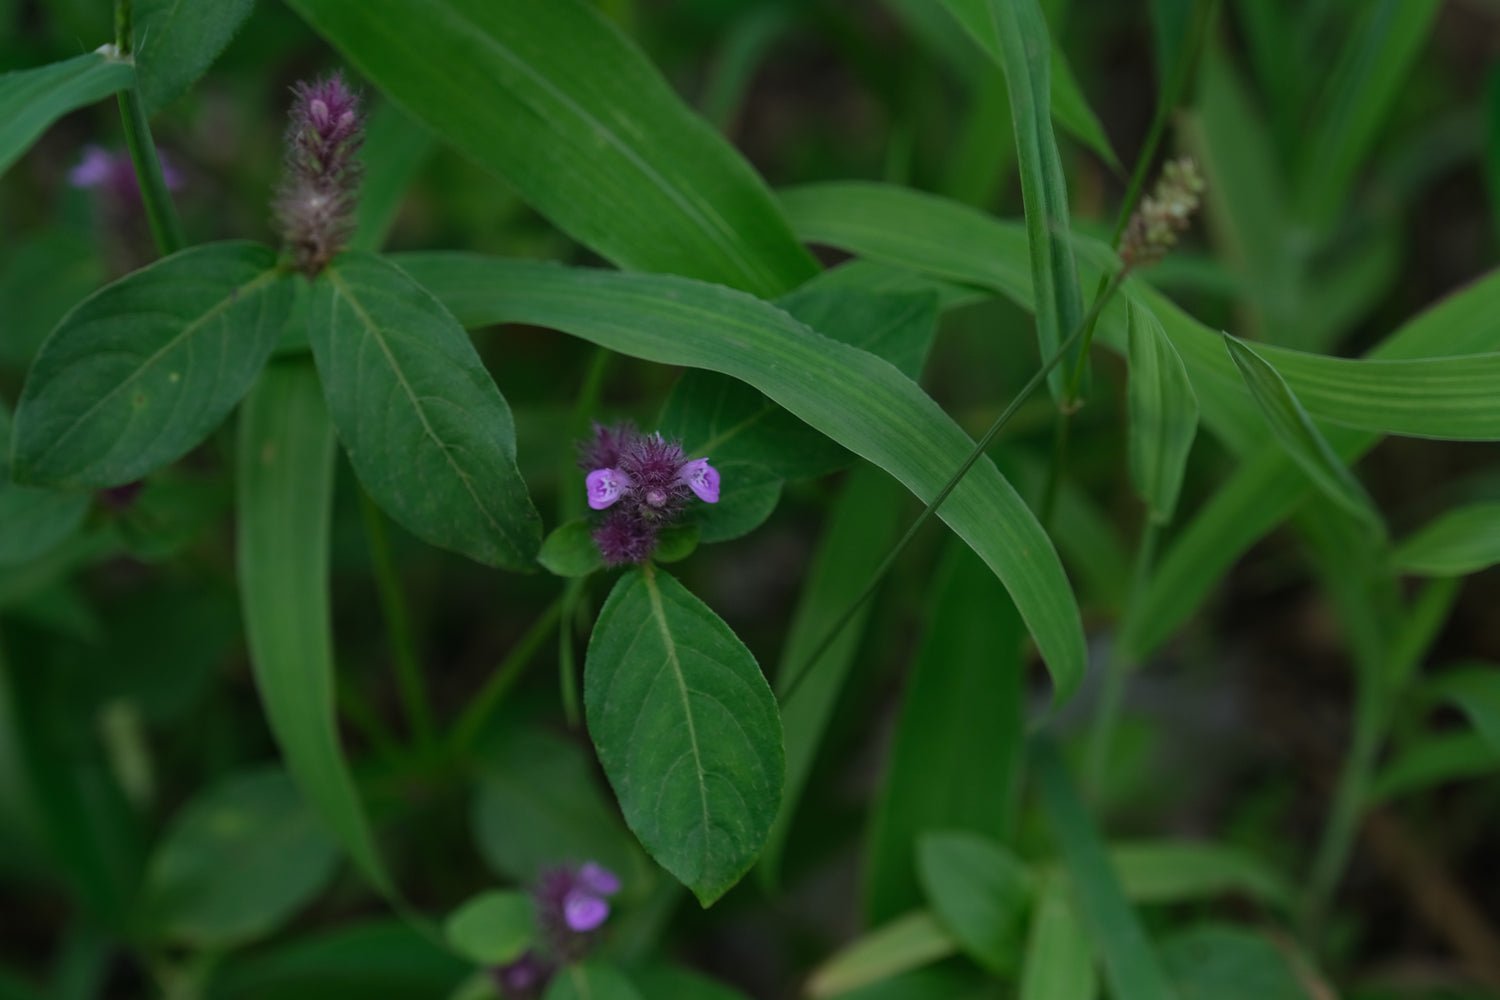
(525, 978)
(570, 904)
(646, 482)
(112, 175)
(315, 203)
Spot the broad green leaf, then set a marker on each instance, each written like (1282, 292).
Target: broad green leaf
(1431, 761)
(1370, 73)
(176, 42)
(981, 892)
(588, 132)
(384, 960)
(1462, 541)
(858, 400)
(591, 980)
(1014, 32)
(427, 432)
(748, 494)
(962, 716)
(907, 943)
(45, 274)
(1167, 872)
(686, 729)
(1294, 429)
(1224, 962)
(236, 863)
(539, 805)
(32, 521)
(868, 276)
(395, 148)
(894, 325)
(861, 528)
(492, 928)
(32, 99)
(1059, 956)
(570, 550)
(680, 984)
(136, 375)
(1475, 689)
(1131, 965)
(284, 497)
(1163, 416)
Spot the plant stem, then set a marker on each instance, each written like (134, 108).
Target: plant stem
(414, 700)
(166, 229)
(504, 677)
(567, 662)
(942, 495)
(1348, 808)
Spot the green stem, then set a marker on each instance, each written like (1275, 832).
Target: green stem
(166, 229)
(409, 679)
(567, 662)
(504, 677)
(1339, 834)
(942, 495)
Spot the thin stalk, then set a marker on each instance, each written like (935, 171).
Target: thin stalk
(414, 700)
(942, 495)
(567, 662)
(504, 677)
(1349, 801)
(166, 229)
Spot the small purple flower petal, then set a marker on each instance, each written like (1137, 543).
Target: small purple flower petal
(605, 486)
(702, 479)
(93, 170)
(598, 879)
(584, 911)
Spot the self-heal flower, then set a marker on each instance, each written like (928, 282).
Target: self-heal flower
(645, 482)
(112, 175)
(570, 904)
(315, 202)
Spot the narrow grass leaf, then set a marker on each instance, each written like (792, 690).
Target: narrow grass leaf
(1171, 872)
(962, 716)
(1294, 429)
(427, 432)
(32, 99)
(981, 892)
(1462, 541)
(1163, 415)
(686, 729)
(1433, 760)
(176, 42)
(909, 942)
(137, 374)
(1475, 689)
(492, 928)
(1131, 964)
(588, 132)
(849, 395)
(1059, 962)
(396, 146)
(1070, 109)
(284, 497)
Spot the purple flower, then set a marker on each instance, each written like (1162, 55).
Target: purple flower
(570, 905)
(645, 481)
(112, 175)
(315, 202)
(523, 979)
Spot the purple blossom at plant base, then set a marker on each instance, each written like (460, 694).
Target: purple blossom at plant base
(645, 482)
(112, 176)
(571, 904)
(315, 202)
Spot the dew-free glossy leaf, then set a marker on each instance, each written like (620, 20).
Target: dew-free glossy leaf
(588, 132)
(907, 943)
(237, 862)
(594, 979)
(32, 99)
(851, 396)
(492, 928)
(1163, 415)
(1059, 955)
(1460, 542)
(142, 370)
(177, 40)
(981, 892)
(686, 729)
(427, 432)
(284, 497)
(1294, 429)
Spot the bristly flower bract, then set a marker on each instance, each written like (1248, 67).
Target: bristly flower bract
(645, 482)
(315, 202)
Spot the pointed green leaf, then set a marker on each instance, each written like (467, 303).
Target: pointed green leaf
(427, 432)
(142, 370)
(747, 496)
(1059, 955)
(1163, 415)
(32, 99)
(1434, 760)
(981, 892)
(910, 942)
(493, 928)
(849, 395)
(587, 132)
(1070, 109)
(1475, 689)
(1462, 541)
(177, 40)
(1223, 962)
(686, 729)
(1170, 872)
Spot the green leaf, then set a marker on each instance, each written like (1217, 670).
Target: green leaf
(32, 521)
(570, 550)
(858, 400)
(686, 729)
(1434, 760)
(1070, 109)
(32, 99)
(1223, 962)
(492, 928)
(894, 325)
(427, 432)
(962, 716)
(981, 892)
(46, 273)
(1462, 541)
(177, 40)
(1294, 429)
(1475, 689)
(1163, 415)
(284, 497)
(142, 370)
(1131, 965)
(748, 495)
(236, 863)
(588, 132)
(1170, 872)
(394, 151)
(1014, 32)
(910, 942)
(861, 527)
(680, 984)
(1059, 956)
(591, 980)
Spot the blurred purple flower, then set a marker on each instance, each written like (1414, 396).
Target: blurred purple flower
(647, 481)
(523, 979)
(570, 905)
(112, 175)
(315, 202)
